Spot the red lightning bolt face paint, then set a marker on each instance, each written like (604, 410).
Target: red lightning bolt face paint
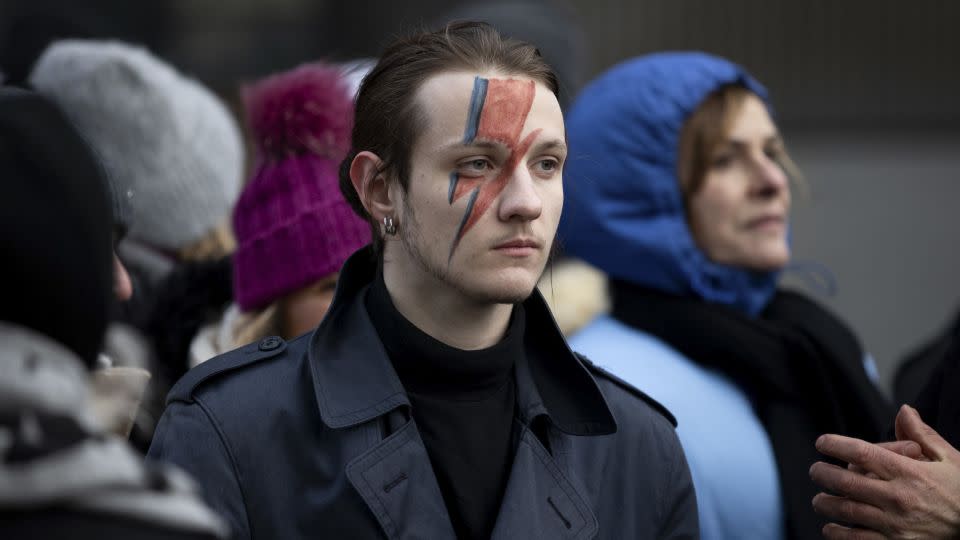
(498, 111)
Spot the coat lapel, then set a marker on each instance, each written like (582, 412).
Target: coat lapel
(396, 481)
(540, 502)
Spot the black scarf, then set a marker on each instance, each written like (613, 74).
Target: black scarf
(938, 402)
(801, 367)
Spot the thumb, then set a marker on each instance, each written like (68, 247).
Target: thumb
(909, 426)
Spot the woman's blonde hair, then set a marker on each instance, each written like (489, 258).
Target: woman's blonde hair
(256, 325)
(706, 129)
(216, 244)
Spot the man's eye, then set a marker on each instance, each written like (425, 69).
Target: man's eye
(477, 166)
(548, 165)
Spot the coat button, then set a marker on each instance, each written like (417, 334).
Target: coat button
(270, 343)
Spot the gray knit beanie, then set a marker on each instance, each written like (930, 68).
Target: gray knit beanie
(166, 141)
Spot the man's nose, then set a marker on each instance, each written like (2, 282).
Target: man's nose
(520, 199)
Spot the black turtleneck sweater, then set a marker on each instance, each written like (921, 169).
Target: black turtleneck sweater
(463, 403)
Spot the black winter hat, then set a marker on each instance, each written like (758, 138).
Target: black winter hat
(55, 226)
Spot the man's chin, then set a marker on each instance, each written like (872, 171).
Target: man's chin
(501, 297)
(504, 289)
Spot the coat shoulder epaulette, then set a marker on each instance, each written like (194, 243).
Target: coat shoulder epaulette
(268, 347)
(654, 404)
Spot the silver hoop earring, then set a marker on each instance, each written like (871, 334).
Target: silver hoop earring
(388, 226)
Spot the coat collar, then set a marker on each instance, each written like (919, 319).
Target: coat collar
(355, 382)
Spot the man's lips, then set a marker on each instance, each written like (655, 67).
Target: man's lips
(519, 243)
(520, 247)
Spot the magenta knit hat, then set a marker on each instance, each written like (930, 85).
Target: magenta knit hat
(293, 226)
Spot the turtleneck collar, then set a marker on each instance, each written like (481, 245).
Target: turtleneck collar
(550, 380)
(426, 365)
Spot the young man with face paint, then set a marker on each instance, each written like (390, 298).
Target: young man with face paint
(437, 399)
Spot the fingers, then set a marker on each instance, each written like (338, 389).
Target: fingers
(908, 449)
(865, 456)
(849, 511)
(853, 485)
(910, 426)
(832, 531)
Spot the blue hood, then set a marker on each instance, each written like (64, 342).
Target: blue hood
(624, 211)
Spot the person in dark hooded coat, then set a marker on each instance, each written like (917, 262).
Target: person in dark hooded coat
(61, 475)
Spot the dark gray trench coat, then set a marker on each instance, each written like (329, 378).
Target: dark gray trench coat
(313, 438)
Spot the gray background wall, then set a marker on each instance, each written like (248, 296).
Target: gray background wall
(866, 93)
(882, 216)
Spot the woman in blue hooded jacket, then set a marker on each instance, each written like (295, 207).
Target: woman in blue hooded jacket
(678, 189)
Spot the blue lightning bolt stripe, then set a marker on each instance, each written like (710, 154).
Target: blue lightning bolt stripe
(463, 222)
(454, 179)
(476, 106)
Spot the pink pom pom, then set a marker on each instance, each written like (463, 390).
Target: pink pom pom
(305, 110)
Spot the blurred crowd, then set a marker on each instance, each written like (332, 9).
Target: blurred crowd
(180, 280)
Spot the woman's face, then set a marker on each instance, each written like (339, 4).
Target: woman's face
(739, 215)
